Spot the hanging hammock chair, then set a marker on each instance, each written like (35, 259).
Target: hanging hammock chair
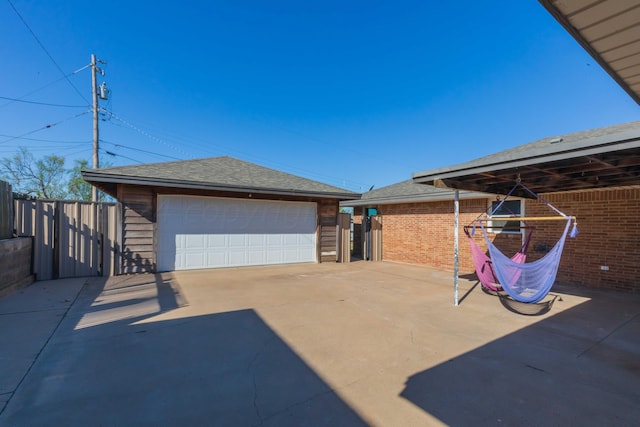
(526, 282)
(484, 266)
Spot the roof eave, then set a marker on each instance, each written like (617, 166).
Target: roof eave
(435, 176)
(449, 195)
(92, 176)
(562, 19)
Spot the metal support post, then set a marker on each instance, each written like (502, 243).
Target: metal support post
(456, 218)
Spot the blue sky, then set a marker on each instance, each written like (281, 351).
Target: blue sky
(351, 93)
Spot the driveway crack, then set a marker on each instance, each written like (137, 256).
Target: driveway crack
(11, 394)
(613, 331)
(252, 369)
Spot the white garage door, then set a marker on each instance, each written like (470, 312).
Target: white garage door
(209, 232)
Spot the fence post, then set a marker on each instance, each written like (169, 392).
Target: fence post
(6, 211)
(56, 239)
(99, 218)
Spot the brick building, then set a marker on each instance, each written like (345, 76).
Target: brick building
(599, 171)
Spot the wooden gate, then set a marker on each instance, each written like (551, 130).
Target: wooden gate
(71, 239)
(376, 238)
(372, 238)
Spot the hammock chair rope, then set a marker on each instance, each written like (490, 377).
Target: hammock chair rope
(484, 266)
(527, 282)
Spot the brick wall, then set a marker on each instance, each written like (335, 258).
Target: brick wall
(608, 236)
(422, 233)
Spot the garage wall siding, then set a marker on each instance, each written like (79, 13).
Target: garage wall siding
(328, 217)
(138, 226)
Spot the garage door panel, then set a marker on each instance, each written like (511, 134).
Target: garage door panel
(215, 241)
(194, 259)
(168, 207)
(274, 239)
(236, 258)
(237, 240)
(256, 257)
(207, 232)
(256, 240)
(289, 240)
(217, 258)
(194, 241)
(275, 257)
(289, 255)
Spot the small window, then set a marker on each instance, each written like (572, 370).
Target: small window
(507, 209)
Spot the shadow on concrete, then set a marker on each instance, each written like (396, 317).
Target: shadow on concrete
(166, 292)
(466, 294)
(125, 369)
(579, 367)
(525, 309)
(469, 276)
(529, 309)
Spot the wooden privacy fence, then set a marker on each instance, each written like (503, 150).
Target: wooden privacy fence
(70, 239)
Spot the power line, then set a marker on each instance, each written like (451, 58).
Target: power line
(147, 134)
(79, 151)
(45, 140)
(47, 52)
(120, 155)
(59, 149)
(45, 86)
(140, 150)
(45, 127)
(42, 103)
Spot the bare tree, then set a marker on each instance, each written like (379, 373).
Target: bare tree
(44, 178)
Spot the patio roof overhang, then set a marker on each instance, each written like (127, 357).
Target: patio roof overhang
(609, 30)
(556, 165)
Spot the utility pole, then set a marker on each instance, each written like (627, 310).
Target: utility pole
(104, 94)
(96, 138)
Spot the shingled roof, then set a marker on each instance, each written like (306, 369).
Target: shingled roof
(597, 158)
(408, 192)
(219, 174)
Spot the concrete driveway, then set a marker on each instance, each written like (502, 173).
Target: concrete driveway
(315, 345)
